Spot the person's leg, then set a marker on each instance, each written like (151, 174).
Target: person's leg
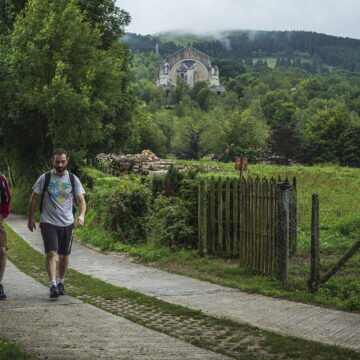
(3, 248)
(50, 237)
(2, 262)
(63, 265)
(65, 244)
(2, 270)
(50, 264)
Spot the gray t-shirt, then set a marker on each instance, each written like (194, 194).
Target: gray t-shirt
(58, 200)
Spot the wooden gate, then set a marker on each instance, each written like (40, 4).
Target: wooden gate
(241, 218)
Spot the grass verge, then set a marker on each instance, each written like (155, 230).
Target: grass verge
(220, 335)
(341, 292)
(9, 350)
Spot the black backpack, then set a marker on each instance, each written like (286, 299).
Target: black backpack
(3, 195)
(46, 185)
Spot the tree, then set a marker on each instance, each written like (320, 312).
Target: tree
(190, 130)
(179, 92)
(104, 15)
(274, 106)
(146, 134)
(205, 98)
(246, 134)
(229, 68)
(109, 19)
(8, 12)
(63, 90)
(285, 142)
(327, 136)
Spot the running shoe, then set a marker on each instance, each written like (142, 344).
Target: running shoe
(2, 293)
(54, 292)
(61, 288)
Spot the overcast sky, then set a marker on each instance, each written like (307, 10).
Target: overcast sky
(333, 17)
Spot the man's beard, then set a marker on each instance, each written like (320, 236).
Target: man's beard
(60, 169)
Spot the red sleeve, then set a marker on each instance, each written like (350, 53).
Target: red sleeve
(7, 205)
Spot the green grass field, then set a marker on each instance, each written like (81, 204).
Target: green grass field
(339, 192)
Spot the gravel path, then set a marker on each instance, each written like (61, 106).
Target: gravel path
(282, 316)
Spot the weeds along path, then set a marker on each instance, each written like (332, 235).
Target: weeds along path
(224, 336)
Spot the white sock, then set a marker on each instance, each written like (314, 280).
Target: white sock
(60, 281)
(53, 282)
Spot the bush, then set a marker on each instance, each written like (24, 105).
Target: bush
(157, 185)
(122, 205)
(168, 184)
(90, 175)
(170, 223)
(172, 181)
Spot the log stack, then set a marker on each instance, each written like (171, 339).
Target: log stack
(145, 163)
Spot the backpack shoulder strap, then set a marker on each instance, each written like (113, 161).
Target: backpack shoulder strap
(45, 187)
(72, 181)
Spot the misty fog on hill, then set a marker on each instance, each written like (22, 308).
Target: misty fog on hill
(332, 17)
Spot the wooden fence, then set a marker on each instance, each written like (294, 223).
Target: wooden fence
(252, 219)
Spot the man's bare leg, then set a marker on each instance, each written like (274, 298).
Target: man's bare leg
(50, 263)
(2, 262)
(2, 270)
(63, 265)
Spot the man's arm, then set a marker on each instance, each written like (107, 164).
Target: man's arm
(31, 212)
(82, 209)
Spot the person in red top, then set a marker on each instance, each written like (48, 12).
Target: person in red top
(4, 213)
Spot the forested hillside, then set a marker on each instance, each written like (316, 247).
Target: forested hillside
(283, 114)
(308, 50)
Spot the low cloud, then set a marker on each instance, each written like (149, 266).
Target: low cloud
(331, 17)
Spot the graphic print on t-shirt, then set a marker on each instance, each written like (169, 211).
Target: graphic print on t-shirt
(59, 192)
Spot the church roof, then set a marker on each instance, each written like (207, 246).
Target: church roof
(188, 52)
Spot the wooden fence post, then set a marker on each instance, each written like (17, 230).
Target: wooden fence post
(315, 244)
(202, 218)
(282, 238)
(235, 217)
(293, 218)
(220, 216)
(227, 217)
(212, 235)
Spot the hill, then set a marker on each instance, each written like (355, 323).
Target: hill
(311, 51)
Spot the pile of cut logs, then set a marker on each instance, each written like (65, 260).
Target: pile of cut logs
(145, 163)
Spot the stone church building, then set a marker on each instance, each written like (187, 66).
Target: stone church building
(192, 66)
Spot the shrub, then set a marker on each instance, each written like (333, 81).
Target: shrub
(157, 185)
(90, 175)
(170, 223)
(168, 184)
(122, 205)
(172, 181)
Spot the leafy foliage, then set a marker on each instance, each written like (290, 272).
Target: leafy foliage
(169, 225)
(61, 89)
(122, 205)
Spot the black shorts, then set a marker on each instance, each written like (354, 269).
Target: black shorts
(57, 238)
